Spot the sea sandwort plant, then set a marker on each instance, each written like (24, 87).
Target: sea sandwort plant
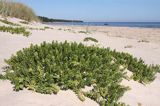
(55, 66)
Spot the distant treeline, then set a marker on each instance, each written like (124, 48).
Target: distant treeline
(45, 19)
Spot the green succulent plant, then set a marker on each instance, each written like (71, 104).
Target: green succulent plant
(55, 66)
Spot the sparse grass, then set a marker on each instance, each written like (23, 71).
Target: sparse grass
(9, 23)
(30, 28)
(53, 66)
(43, 29)
(90, 39)
(46, 27)
(85, 32)
(70, 30)
(17, 30)
(67, 29)
(145, 41)
(18, 10)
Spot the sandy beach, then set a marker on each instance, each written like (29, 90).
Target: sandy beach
(140, 42)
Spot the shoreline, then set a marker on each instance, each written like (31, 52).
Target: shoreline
(151, 35)
(102, 24)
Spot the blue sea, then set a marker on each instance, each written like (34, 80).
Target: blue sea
(115, 24)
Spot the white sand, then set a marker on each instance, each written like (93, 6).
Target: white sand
(116, 39)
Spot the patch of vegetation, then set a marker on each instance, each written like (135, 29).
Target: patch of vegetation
(70, 30)
(43, 29)
(60, 29)
(90, 39)
(146, 41)
(67, 29)
(31, 28)
(18, 10)
(9, 23)
(128, 46)
(24, 22)
(2, 77)
(16, 30)
(85, 32)
(53, 66)
(46, 27)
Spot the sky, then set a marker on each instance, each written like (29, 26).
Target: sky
(98, 10)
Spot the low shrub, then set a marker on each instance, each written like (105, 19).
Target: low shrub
(53, 66)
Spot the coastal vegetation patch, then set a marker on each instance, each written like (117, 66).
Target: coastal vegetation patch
(128, 46)
(60, 29)
(42, 29)
(90, 39)
(15, 30)
(70, 30)
(141, 41)
(51, 67)
(46, 27)
(84, 32)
